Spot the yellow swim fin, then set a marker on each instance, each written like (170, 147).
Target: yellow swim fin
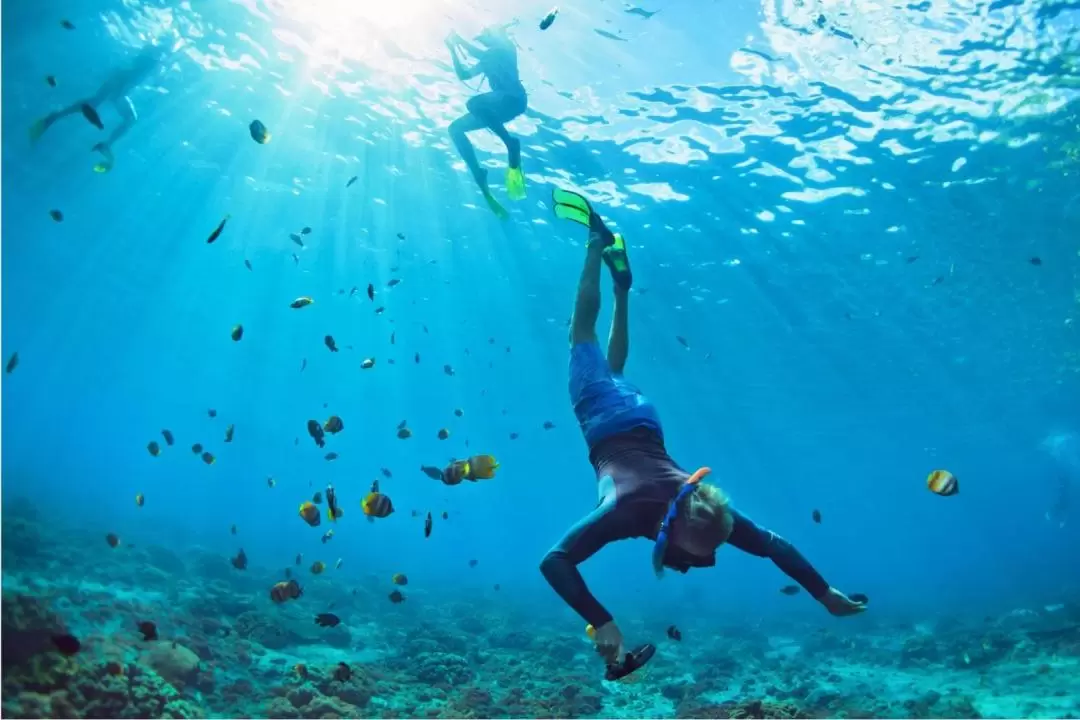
(496, 208)
(107, 158)
(515, 183)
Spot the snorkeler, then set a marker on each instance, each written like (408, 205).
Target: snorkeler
(113, 91)
(643, 492)
(497, 61)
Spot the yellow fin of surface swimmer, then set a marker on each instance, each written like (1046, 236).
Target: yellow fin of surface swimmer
(499, 210)
(38, 129)
(483, 466)
(515, 183)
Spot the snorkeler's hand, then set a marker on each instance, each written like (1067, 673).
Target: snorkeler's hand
(609, 642)
(840, 605)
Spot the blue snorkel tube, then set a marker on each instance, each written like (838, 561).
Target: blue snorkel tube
(663, 536)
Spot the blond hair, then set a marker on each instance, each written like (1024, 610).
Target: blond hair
(708, 517)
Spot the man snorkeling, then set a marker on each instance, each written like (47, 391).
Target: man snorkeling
(497, 61)
(643, 492)
(114, 91)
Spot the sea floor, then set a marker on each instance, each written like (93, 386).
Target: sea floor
(224, 649)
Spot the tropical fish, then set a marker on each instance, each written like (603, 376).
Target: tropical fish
(167, 434)
(315, 430)
(259, 133)
(240, 562)
(327, 620)
(310, 513)
(443, 433)
(285, 590)
(56, 215)
(397, 597)
(333, 425)
(943, 483)
(148, 629)
(13, 362)
(790, 590)
(328, 536)
(229, 432)
(196, 448)
(331, 456)
(296, 239)
(816, 515)
(427, 525)
(367, 364)
(317, 497)
(399, 579)
(376, 505)
(300, 302)
(208, 458)
(112, 539)
(371, 292)
(448, 370)
(317, 567)
(153, 448)
(330, 343)
(674, 634)
(332, 509)
(140, 499)
(352, 180)
(432, 472)
(217, 231)
(549, 18)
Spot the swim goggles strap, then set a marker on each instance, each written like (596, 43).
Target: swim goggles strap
(663, 536)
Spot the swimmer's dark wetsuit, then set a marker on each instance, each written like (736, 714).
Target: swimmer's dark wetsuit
(637, 480)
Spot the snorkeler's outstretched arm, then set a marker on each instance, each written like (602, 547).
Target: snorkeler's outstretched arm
(605, 524)
(748, 537)
(464, 73)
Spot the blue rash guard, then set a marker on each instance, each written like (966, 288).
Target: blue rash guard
(637, 480)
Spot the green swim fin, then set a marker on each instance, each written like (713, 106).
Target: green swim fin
(499, 210)
(619, 263)
(571, 206)
(515, 183)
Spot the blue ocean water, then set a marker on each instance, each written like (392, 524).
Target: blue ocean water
(853, 228)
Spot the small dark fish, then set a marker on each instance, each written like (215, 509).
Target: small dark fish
(432, 472)
(367, 363)
(67, 25)
(393, 337)
(682, 341)
(148, 630)
(371, 292)
(51, 80)
(315, 430)
(397, 597)
(295, 259)
(232, 529)
(208, 458)
(217, 231)
(331, 456)
(317, 497)
(424, 327)
(674, 634)
(380, 310)
(820, 21)
(303, 365)
(168, 437)
(240, 561)
(212, 412)
(56, 215)
(342, 673)
(514, 436)
(229, 432)
(445, 515)
(386, 472)
(473, 563)
(333, 425)
(327, 620)
(458, 412)
(911, 258)
(153, 448)
(497, 587)
(375, 485)
(296, 239)
(13, 362)
(299, 558)
(92, 116)
(416, 358)
(237, 333)
(259, 133)
(548, 425)
(401, 236)
(196, 448)
(247, 264)
(427, 526)
(352, 180)
(112, 539)
(443, 433)
(393, 282)
(448, 370)
(305, 230)
(1034, 261)
(549, 18)
(790, 590)
(816, 515)
(330, 343)
(938, 280)
(66, 644)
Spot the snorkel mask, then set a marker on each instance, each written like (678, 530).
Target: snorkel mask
(663, 538)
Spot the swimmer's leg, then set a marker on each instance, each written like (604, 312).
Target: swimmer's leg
(126, 109)
(495, 110)
(458, 129)
(587, 303)
(618, 349)
(80, 106)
